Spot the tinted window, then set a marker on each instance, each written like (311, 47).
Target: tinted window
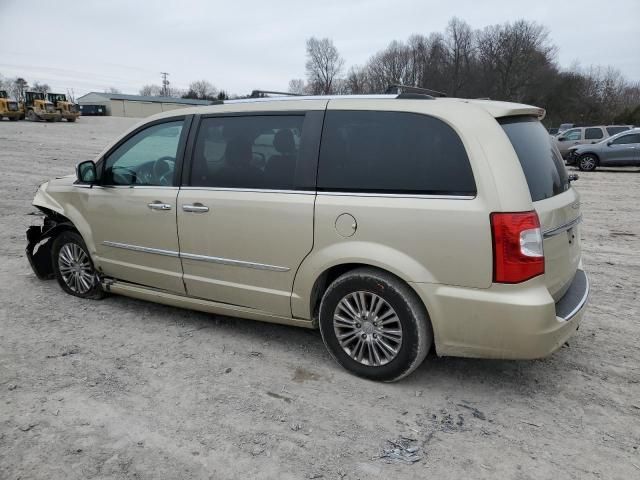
(540, 159)
(572, 135)
(627, 139)
(146, 158)
(613, 130)
(392, 152)
(248, 152)
(593, 134)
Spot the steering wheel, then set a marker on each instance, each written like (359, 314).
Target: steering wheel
(162, 170)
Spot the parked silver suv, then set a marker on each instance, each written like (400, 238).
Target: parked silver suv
(585, 135)
(621, 150)
(393, 223)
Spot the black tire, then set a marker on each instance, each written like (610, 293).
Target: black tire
(71, 119)
(31, 116)
(13, 119)
(411, 315)
(587, 162)
(74, 241)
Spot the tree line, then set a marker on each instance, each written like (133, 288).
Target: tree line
(509, 61)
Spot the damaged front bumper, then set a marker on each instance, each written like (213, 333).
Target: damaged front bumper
(39, 241)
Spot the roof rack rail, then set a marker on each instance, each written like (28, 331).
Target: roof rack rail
(405, 89)
(264, 93)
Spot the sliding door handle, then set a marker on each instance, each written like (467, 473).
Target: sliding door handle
(195, 208)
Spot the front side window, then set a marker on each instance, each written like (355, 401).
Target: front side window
(256, 152)
(627, 139)
(593, 134)
(572, 135)
(392, 152)
(146, 158)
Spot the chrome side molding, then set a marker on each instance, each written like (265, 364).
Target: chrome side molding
(193, 256)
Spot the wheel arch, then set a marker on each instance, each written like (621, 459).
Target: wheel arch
(333, 272)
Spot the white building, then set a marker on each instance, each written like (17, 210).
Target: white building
(120, 105)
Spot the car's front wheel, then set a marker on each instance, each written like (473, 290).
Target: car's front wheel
(374, 325)
(587, 163)
(73, 267)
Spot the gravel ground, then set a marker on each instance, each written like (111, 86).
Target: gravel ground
(121, 388)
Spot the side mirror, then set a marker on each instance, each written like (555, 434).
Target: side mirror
(562, 139)
(609, 143)
(86, 172)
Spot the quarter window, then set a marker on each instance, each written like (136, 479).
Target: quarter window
(392, 152)
(146, 158)
(261, 151)
(593, 134)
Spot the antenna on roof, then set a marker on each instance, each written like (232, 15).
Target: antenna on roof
(400, 89)
(265, 93)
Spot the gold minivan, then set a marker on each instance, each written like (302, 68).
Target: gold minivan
(393, 223)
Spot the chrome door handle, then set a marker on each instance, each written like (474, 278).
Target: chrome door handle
(195, 208)
(159, 206)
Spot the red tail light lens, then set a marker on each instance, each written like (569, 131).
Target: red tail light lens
(517, 247)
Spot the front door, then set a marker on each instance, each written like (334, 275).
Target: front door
(621, 151)
(245, 216)
(132, 214)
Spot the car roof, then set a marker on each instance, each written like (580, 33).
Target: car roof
(495, 108)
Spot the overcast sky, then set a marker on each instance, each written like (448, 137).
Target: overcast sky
(241, 45)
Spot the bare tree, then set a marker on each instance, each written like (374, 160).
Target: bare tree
(41, 87)
(150, 91)
(297, 86)
(324, 65)
(112, 90)
(201, 89)
(20, 86)
(460, 53)
(71, 95)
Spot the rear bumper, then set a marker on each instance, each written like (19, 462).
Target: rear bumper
(504, 321)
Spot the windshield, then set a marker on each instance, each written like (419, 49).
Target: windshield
(539, 156)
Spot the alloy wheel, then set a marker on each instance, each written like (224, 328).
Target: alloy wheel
(367, 328)
(75, 268)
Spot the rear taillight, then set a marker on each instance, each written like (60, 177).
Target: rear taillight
(517, 247)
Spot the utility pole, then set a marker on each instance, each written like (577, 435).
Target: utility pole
(165, 84)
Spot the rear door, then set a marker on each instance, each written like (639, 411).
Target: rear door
(555, 201)
(593, 135)
(245, 211)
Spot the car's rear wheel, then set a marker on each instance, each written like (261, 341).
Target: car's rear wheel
(73, 267)
(374, 325)
(587, 163)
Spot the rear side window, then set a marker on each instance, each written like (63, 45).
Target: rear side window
(613, 130)
(627, 139)
(392, 152)
(593, 134)
(540, 159)
(254, 152)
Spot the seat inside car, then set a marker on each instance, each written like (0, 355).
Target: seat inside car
(281, 167)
